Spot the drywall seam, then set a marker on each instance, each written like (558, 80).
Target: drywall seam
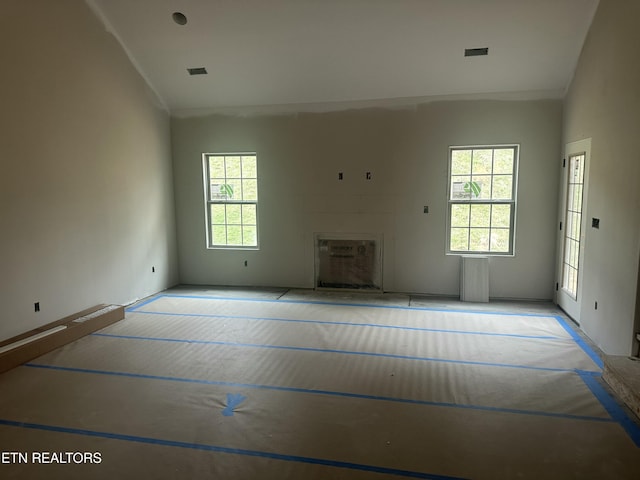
(399, 103)
(92, 4)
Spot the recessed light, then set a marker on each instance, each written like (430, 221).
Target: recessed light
(476, 52)
(179, 18)
(197, 71)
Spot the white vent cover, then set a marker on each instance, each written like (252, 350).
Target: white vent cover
(474, 279)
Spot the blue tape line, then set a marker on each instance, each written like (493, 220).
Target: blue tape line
(371, 325)
(328, 350)
(581, 343)
(233, 400)
(143, 303)
(321, 392)
(611, 406)
(228, 450)
(339, 304)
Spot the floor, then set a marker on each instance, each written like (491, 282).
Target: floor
(275, 383)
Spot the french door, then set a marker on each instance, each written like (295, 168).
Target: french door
(572, 226)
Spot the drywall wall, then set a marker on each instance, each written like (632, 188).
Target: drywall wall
(86, 202)
(603, 103)
(406, 151)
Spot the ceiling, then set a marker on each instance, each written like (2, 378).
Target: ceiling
(329, 52)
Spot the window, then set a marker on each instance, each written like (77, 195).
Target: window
(573, 224)
(231, 200)
(482, 199)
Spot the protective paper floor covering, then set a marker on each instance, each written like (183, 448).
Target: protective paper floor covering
(201, 387)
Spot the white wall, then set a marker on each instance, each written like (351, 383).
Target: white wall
(300, 156)
(86, 200)
(603, 103)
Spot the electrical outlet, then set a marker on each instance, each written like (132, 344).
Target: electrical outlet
(246, 263)
(36, 307)
(153, 269)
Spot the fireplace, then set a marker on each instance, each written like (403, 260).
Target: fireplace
(350, 262)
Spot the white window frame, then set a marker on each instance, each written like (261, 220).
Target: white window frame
(209, 201)
(471, 201)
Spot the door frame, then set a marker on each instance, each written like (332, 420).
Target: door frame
(566, 302)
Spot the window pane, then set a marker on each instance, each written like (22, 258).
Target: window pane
(480, 215)
(216, 167)
(220, 191)
(216, 191)
(460, 215)
(479, 240)
(234, 214)
(460, 162)
(499, 240)
(219, 234)
(576, 219)
(577, 168)
(218, 213)
(459, 240)
(567, 251)
(460, 189)
(482, 187)
(482, 160)
(249, 167)
(501, 216)
(567, 227)
(234, 235)
(502, 187)
(503, 161)
(232, 167)
(249, 214)
(250, 189)
(249, 235)
(234, 189)
(575, 251)
(576, 192)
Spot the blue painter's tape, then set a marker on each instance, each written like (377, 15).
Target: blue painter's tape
(366, 305)
(351, 324)
(233, 400)
(328, 350)
(321, 392)
(143, 303)
(228, 450)
(581, 343)
(611, 406)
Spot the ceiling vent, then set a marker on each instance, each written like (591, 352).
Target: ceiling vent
(476, 52)
(197, 71)
(179, 18)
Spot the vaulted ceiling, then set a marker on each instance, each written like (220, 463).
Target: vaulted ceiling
(294, 52)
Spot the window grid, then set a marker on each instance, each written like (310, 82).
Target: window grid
(573, 225)
(494, 240)
(231, 198)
